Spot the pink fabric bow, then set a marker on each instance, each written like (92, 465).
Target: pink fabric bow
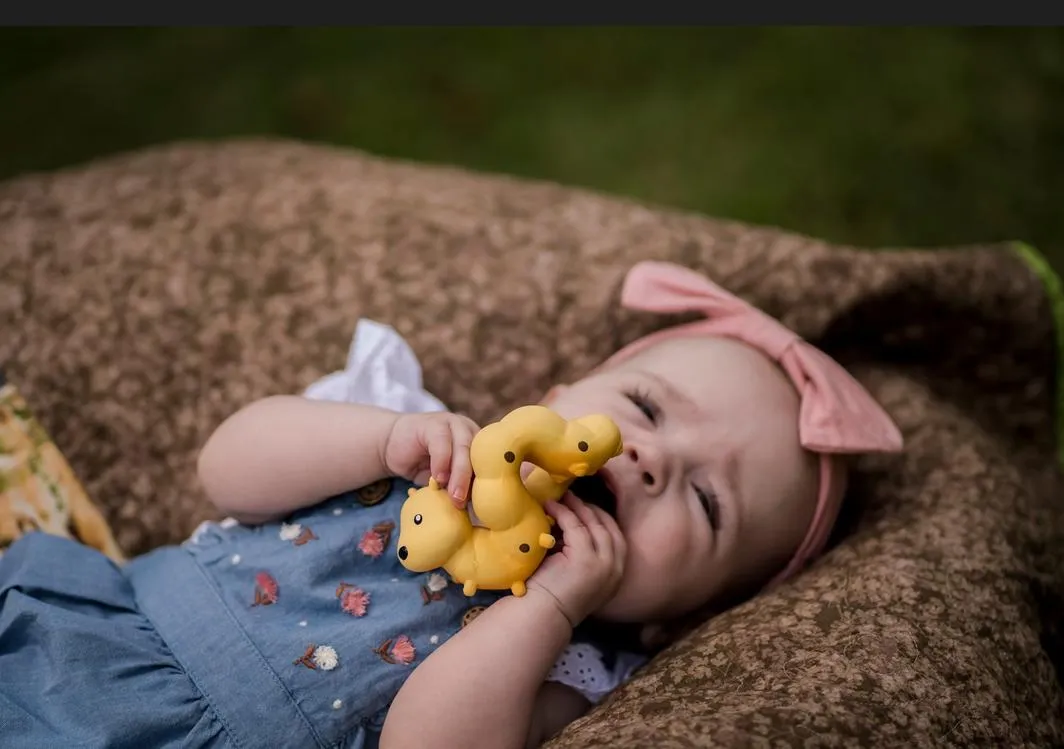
(837, 415)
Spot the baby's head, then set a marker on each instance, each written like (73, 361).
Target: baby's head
(713, 490)
(730, 477)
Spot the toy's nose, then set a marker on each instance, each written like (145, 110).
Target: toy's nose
(403, 552)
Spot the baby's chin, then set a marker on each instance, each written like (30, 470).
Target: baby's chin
(623, 608)
(637, 602)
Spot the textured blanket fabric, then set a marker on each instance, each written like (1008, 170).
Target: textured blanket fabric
(145, 297)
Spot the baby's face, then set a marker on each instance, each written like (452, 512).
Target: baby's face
(713, 491)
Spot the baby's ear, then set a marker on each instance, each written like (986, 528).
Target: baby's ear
(553, 393)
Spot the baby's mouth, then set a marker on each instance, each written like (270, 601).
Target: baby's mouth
(595, 491)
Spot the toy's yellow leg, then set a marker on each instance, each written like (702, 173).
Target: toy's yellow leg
(546, 540)
(518, 589)
(469, 588)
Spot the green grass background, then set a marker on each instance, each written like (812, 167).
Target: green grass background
(878, 137)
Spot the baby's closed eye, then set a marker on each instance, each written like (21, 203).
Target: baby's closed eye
(707, 498)
(642, 400)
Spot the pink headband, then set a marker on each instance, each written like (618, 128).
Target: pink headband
(837, 415)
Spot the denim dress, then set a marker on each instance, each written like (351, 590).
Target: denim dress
(296, 633)
(290, 634)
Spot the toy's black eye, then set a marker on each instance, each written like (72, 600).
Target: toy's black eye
(417, 520)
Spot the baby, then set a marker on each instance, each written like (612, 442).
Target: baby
(292, 623)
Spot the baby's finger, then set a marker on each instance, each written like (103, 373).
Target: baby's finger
(598, 540)
(562, 513)
(438, 444)
(461, 468)
(620, 543)
(605, 518)
(600, 536)
(574, 532)
(581, 508)
(619, 547)
(473, 426)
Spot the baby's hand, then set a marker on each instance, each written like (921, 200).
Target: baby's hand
(432, 444)
(586, 571)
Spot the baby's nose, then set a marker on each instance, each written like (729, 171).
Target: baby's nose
(646, 476)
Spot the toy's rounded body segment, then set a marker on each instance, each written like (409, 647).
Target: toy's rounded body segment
(514, 532)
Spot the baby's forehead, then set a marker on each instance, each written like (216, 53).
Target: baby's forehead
(714, 370)
(693, 347)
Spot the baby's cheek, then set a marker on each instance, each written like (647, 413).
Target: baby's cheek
(641, 592)
(664, 539)
(659, 552)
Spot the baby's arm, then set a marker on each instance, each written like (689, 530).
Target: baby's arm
(485, 687)
(482, 687)
(283, 453)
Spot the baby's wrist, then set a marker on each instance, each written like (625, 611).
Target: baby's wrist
(553, 607)
(384, 442)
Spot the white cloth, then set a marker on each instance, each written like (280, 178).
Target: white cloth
(382, 370)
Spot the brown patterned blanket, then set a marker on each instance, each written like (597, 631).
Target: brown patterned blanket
(145, 297)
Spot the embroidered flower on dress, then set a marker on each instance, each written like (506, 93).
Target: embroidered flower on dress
(400, 651)
(296, 533)
(371, 544)
(376, 539)
(352, 600)
(319, 656)
(433, 589)
(265, 589)
(325, 657)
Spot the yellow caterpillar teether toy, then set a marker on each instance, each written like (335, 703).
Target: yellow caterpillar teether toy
(514, 535)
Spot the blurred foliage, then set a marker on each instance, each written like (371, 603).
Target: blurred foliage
(872, 136)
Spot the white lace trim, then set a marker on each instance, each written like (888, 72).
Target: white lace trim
(581, 667)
